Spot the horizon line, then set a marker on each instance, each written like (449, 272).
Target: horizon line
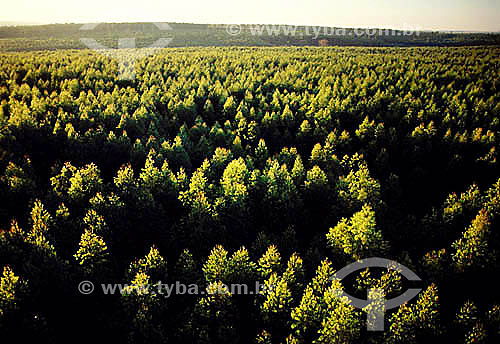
(16, 24)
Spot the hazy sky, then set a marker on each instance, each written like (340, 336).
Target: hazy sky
(481, 15)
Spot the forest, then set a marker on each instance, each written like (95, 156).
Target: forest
(67, 36)
(244, 165)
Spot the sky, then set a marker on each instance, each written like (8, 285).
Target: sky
(466, 15)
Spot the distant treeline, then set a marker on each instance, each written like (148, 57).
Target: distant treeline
(67, 36)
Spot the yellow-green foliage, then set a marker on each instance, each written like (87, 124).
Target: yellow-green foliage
(92, 251)
(358, 237)
(10, 285)
(472, 248)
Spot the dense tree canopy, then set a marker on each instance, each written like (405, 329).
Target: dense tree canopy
(273, 167)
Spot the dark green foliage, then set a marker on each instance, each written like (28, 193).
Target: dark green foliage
(256, 167)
